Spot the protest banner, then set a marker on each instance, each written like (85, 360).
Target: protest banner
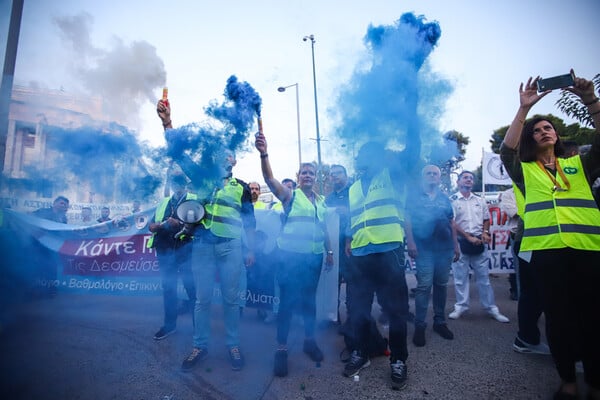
(112, 257)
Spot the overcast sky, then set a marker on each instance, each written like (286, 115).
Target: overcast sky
(485, 50)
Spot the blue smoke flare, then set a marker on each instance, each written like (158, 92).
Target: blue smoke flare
(396, 96)
(200, 150)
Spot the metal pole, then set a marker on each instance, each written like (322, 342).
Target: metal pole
(312, 46)
(298, 124)
(8, 73)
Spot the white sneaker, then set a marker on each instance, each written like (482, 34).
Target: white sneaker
(458, 311)
(498, 317)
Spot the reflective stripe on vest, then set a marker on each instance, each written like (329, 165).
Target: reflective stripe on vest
(375, 218)
(223, 214)
(556, 219)
(159, 213)
(303, 231)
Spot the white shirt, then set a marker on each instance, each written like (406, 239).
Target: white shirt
(470, 213)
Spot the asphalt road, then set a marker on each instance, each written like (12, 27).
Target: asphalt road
(77, 346)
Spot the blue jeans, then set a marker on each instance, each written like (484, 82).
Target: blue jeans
(208, 259)
(433, 270)
(172, 263)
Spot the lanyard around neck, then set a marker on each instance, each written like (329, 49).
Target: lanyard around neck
(557, 186)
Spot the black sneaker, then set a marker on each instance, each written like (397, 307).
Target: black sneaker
(163, 333)
(356, 363)
(236, 358)
(281, 367)
(443, 331)
(196, 355)
(399, 375)
(419, 336)
(313, 351)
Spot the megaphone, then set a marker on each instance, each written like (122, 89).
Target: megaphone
(190, 212)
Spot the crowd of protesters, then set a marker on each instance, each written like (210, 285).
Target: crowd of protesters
(394, 203)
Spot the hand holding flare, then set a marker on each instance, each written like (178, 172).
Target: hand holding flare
(261, 142)
(163, 109)
(165, 96)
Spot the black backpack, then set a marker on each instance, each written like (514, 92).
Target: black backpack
(377, 344)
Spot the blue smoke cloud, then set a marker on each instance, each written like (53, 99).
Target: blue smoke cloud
(395, 95)
(200, 150)
(97, 154)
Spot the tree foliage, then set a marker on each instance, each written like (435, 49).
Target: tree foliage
(448, 155)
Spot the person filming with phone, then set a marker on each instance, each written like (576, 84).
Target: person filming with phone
(561, 238)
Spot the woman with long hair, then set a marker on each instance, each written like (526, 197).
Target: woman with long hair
(561, 236)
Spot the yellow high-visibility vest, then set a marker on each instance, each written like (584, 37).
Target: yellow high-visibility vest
(223, 214)
(557, 219)
(304, 231)
(260, 205)
(375, 218)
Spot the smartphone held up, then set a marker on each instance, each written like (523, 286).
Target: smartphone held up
(556, 82)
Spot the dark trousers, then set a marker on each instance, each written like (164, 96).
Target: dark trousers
(343, 276)
(569, 284)
(381, 274)
(174, 263)
(298, 277)
(529, 308)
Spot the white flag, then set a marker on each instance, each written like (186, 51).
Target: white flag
(493, 170)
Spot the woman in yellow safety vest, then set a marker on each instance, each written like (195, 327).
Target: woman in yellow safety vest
(301, 245)
(561, 236)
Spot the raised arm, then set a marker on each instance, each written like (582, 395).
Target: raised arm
(283, 193)
(185, 162)
(528, 96)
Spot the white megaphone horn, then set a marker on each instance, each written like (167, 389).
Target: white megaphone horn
(190, 212)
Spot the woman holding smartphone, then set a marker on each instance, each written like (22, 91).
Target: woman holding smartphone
(562, 232)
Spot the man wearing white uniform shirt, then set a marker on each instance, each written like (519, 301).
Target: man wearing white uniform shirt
(472, 226)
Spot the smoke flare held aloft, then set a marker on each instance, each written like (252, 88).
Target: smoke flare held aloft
(200, 150)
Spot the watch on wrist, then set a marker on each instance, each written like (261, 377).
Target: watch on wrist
(330, 252)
